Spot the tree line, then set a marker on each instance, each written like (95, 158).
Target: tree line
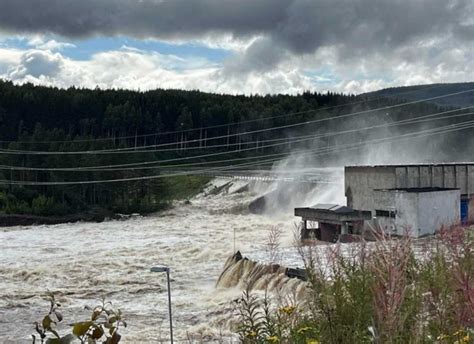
(180, 123)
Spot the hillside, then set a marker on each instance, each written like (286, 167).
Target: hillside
(418, 92)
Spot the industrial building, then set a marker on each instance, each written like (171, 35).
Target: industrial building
(418, 199)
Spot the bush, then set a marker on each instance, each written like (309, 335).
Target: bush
(390, 291)
(42, 205)
(102, 326)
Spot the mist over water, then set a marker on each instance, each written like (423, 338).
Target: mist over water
(371, 139)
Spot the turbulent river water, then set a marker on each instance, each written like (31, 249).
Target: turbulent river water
(83, 262)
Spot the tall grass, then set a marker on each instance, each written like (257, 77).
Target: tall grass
(388, 291)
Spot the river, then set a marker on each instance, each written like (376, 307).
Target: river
(83, 262)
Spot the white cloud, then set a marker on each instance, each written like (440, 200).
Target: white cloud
(136, 69)
(39, 42)
(420, 62)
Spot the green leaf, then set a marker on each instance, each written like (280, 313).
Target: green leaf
(81, 328)
(47, 322)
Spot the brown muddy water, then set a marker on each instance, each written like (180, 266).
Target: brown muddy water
(83, 262)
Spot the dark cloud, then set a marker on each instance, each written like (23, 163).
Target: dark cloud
(298, 27)
(141, 18)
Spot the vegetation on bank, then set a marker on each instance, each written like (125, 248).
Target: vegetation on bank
(391, 291)
(30, 201)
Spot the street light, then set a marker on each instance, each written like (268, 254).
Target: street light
(167, 270)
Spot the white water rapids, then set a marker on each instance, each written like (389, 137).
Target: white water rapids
(83, 262)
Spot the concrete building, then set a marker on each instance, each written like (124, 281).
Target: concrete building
(418, 198)
(331, 222)
(415, 211)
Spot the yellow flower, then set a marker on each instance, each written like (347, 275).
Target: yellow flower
(287, 310)
(303, 329)
(312, 341)
(272, 339)
(252, 334)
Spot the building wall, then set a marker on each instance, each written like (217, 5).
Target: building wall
(438, 209)
(360, 181)
(404, 205)
(416, 213)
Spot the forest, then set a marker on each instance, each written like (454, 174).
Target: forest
(59, 146)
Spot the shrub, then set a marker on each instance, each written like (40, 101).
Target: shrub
(390, 291)
(102, 326)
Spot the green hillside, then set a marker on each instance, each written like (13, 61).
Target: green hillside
(431, 91)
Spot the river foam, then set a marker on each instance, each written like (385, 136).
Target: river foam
(83, 262)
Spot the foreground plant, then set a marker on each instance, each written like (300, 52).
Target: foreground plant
(391, 291)
(103, 326)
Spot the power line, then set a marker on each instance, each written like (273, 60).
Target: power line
(227, 124)
(353, 146)
(129, 151)
(423, 133)
(111, 168)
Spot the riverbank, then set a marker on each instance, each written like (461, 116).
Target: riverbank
(178, 188)
(10, 220)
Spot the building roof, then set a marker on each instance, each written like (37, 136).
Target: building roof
(332, 213)
(419, 190)
(335, 208)
(416, 164)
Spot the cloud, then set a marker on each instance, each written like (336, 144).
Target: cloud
(132, 68)
(277, 44)
(299, 26)
(40, 42)
(36, 64)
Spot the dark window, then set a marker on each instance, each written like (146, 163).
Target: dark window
(385, 213)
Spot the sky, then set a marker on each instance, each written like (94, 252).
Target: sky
(237, 46)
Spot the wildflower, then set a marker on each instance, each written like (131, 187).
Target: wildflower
(303, 329)
(287, 310)
(312, 341)
(442, 337)
(272, 339)
(463, 340)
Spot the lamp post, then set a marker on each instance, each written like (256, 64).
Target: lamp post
(167, 270)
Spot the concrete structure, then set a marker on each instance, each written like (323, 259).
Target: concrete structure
(333, 221)
(363, 185)
(415, 211)
(361, 181)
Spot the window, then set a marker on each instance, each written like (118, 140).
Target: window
(385, 213)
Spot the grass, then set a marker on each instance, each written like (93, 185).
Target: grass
(185, 187)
